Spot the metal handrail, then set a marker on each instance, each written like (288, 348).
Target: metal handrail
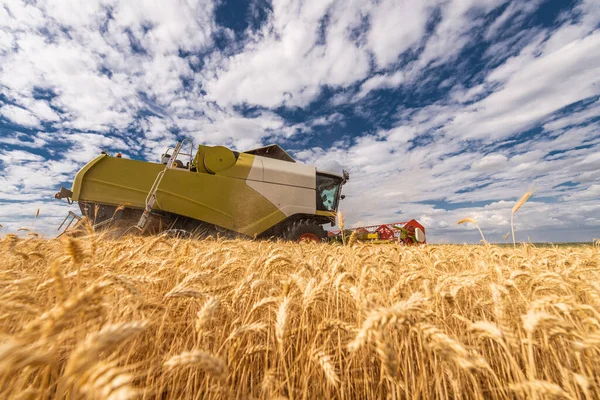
(176, 154)
(151, 197)
(191, 153)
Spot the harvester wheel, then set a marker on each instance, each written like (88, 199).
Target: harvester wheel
(305, 230)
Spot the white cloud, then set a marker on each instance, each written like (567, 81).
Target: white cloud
(17, 15)
(561, 77)
(491, 162)
(28, 176)
(458, 18)
(288, 65)
(328, 120)
(19, 116)
(23, 140)
(90, 64)
(86, 146)
(22, 215)
(592, 111)
(16, 156)
(380, 81)
(512, 15)
(396, 26)
(41, 110)
(290, 62)
(590, 193)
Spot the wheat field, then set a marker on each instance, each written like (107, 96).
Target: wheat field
(159, 318)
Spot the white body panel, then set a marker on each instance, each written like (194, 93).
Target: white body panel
(289, 199)
(286, 173)
(257, 170)
(289, 186)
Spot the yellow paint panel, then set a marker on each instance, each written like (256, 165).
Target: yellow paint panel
(79, 176)
(330, 214)
(217, 199)
(116, 181)
(198, 162)
(219, 158)
(241, 169)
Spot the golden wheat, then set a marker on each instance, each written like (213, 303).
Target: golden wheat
(515, 208)
(177, 318)
(473, 221)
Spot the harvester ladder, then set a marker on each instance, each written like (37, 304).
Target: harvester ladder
(151, 198)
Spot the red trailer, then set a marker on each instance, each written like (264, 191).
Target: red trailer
(409, 233)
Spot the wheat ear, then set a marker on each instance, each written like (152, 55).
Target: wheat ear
(516, 207)
(473, 221)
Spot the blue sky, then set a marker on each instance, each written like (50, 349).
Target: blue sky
(440, 110)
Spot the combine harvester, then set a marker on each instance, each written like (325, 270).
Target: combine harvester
(409, 233)
(260, 193)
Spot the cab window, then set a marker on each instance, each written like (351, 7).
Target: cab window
(327, 192)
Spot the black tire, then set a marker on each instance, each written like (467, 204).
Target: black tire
(306, 229)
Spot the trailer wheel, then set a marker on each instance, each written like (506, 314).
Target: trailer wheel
(305, 231)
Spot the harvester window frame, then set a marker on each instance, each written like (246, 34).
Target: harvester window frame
(319, 191)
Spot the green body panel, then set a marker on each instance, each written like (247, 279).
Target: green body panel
(223, 199)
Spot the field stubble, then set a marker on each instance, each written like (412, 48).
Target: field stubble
(173, 318)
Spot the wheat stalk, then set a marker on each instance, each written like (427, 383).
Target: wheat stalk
(340, 217)
(201, 359)
(515, 208)
(352, 239)
(107, 338)
(324, 361)
(171, 318)
(398, 314)
(282, 321)
(207, 312)
(540, 387)
(473, 221)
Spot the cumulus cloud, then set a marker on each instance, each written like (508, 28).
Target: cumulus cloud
(388, 37)
(293, 58)
(491, 162)
(19, 116)
(564, 76)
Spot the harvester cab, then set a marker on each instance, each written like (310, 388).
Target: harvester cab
(209, 190)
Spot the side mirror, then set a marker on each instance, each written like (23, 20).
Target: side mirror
(343, 196)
